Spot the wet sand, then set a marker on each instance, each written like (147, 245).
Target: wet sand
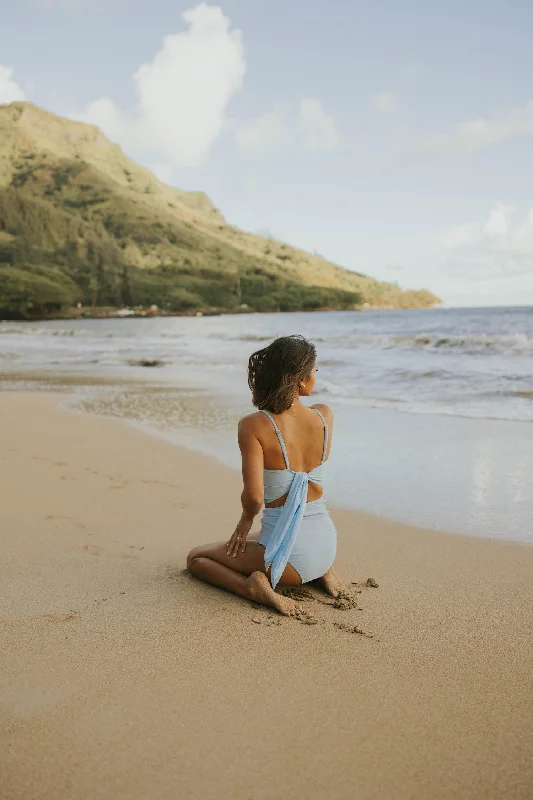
(123, 677)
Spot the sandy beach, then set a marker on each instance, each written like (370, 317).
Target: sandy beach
(123, 677)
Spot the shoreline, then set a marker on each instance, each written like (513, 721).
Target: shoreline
(124, 678)
(457, 474)
(105, 313)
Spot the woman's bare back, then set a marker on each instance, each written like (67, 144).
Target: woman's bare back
(303, 432)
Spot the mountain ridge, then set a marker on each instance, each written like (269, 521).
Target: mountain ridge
(77, 212)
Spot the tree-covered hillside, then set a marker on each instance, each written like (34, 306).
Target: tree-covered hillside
(80, 222)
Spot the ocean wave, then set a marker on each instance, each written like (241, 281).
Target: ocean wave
(468, 343)
(251, 337)
(518, 343)
(19, 330)
(333, 389)
(432, 373)
(525, 394)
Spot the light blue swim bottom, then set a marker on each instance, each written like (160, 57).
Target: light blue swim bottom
(315, 545)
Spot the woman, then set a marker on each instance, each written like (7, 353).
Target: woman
(284, 447)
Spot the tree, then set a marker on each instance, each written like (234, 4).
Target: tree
(25, 293)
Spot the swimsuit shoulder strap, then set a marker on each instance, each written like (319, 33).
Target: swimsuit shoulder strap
(280, 437)
(326, 434)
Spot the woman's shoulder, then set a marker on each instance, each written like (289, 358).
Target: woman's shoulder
(324, 410)
(252, 422)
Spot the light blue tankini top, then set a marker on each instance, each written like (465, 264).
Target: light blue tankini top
(278, 482)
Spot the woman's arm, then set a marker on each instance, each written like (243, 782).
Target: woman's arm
(252, 468)
(252, 496)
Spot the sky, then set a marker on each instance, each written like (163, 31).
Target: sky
(393, 137)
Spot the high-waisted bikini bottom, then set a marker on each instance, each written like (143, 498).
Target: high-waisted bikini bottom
(315, 545)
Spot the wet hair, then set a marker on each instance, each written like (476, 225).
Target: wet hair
(275, 372)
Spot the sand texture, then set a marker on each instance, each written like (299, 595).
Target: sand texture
(122, 677)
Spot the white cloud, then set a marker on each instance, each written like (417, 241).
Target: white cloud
(182, 93)
(306, 126)
(468, 137)
(9, 88)
(265, 133)
(499, 246)
(385, 102)
(319, 131)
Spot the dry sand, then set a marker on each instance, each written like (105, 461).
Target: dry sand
(123, 677)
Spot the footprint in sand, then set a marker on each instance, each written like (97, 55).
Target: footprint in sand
(267, 619)
(306, 619)
(91, 550)
(154, 482)
(65, 617)
(343, 626)
(275, 619)
(80, 526)
(116, 482)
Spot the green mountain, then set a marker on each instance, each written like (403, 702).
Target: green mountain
(81, 222)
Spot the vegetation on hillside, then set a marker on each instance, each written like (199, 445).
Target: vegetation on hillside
(79, 222)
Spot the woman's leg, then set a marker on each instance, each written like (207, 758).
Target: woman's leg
(244, 574)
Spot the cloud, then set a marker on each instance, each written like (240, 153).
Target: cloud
(9, 88)
(499, 246)
(385, 102)
(304, 126)
(265, 133)
(476, 134)
(183, 93)
(318, 130)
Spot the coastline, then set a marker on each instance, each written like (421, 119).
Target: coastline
(125, 678)
(441, 472)
(115, 312)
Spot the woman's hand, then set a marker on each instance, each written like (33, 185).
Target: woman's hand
(238, 540)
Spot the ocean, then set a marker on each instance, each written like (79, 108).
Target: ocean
(434, 406)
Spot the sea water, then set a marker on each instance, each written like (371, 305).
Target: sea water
(433, 407)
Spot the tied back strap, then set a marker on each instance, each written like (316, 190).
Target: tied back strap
(326, 434)
(282, 539)
(280, 437)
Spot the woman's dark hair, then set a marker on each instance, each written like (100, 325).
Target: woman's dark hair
(275, 372)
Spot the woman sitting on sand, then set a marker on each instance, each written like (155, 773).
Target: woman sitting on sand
(284, 447)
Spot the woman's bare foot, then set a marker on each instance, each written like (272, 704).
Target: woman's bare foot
(331, 583)
(260, 591)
